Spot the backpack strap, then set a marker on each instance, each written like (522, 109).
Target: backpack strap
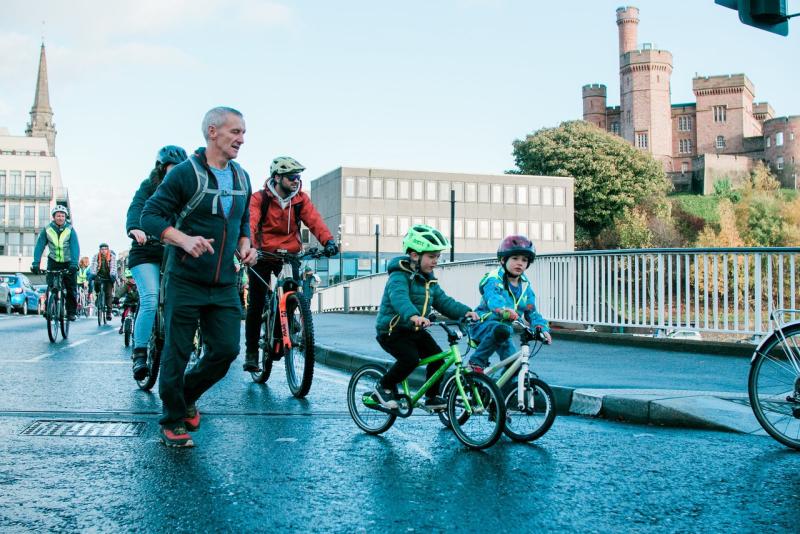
(203, 189)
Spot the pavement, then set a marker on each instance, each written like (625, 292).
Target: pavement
(679, 384)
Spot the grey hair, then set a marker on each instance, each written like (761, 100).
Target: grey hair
(216, 117)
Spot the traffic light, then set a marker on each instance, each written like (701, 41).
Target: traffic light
(769, 15)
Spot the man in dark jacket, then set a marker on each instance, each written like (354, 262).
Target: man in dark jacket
(201, 280)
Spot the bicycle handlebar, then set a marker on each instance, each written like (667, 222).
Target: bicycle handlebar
(313, 252)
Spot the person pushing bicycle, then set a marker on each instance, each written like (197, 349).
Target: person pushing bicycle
(410, 293)
(275, 216)
(62, 240)
(506, 294)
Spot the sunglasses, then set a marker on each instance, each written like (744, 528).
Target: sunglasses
(292, 177)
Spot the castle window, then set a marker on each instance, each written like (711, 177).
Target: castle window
(615, 128)
(685, 146)
(779, 139)
(769, 141)
(684, 167)
(720, 113)
(684, 123)
(779, 163)
(720, 141)
(641, 139)
(791, 136)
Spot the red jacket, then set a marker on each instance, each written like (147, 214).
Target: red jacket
(279, 228)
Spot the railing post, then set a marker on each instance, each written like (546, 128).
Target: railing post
(319, 302)
(346, 298)
(661, 322)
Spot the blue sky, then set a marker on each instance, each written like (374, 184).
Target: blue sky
(441, 85)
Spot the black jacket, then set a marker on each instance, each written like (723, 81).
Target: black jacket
(172, 195)
(152, 251)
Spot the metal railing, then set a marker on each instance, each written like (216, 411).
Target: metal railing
(726, 290)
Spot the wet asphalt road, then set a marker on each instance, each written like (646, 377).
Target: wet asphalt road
(266, 461)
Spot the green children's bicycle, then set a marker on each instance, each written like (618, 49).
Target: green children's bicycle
(475, 405)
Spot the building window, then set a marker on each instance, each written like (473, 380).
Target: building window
(377, 188)
(391, 225)
(559, 196)
(391, 188)
(508, 227)
(497, 229)
(2, 182)
(483, 229)
(559, 234)
(27, 244)
(720, 142)
(363, 188)
(685, 123)
(615, 128)
(402, 226)
(685, 146)
(363, 225)
(44, 215)
(497, 194)
(534, 197)
(349, 226)
(13, 215)
(779, 139)
(522, 194)
(376, 221)
(431, 221)
(547, 196)
(779, 162)
(684, 167)
(13, 244)
(483, 193)
(471, 232)
(547, 231)
(769, 141)
(791, 136)
(29, 212)
(471, 193)
(15, 183)
(430, 192)
(417, 190)
(641, 139)
(459, 228)
(720, 113)
(403, 192)
(444, 191)
(444, 227)
(45, 190)
(535, 231)
(458, 187)
(2, 217)
(349, 187)
(522, 228)
(30, 183)
(508, 194)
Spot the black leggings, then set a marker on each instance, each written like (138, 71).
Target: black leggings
(409, 348)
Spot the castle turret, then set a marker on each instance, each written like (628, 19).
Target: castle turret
(628, 25)
(594, 105)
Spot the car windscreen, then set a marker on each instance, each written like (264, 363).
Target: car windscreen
(10, 280)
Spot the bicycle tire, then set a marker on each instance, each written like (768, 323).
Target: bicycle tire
(154, 347)
(444, 417)
(100, 306)
(127, 328)
(363, 383)
(52, 317)
(261, 377)
(774, 410)
(63, 321)
(530, 423)
(492, 409)
(299, 360)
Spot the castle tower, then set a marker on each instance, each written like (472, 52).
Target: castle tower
(646, 115)
(594, 105)
(41, 124)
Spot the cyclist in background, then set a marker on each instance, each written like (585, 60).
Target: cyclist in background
(104, 271)
(408, 298)
(310, 282)
(128, 296)
(62, 240)
(506, 294)
(275, 216)
(144, 258)
(83, 283)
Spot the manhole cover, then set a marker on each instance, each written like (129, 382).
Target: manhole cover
(87, 429)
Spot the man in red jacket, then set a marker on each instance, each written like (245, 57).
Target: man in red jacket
(275, 216)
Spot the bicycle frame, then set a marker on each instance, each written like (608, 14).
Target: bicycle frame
(792, 353)
(518, 364)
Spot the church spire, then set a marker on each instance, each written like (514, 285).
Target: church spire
(41, 124)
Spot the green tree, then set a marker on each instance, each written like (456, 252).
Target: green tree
(765, 225)
(610, 174)
(633, 230)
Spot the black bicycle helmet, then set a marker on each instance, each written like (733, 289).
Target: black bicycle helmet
(171, 154)
(516, 245)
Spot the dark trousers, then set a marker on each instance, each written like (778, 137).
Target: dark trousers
(108, 287)
(217, 309)
(70, 283)
(409, 348)
(257, 297)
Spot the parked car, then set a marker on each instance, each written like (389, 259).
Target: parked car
(5, 298)
(23, 297)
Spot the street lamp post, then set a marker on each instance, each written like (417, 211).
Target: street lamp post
(377, 248)
(452, 225)
(341, 257)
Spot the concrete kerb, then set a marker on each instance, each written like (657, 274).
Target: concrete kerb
(682, 409)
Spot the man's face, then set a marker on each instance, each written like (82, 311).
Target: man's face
(229, 137)
(103, 250)
(289, 182)
(60, 218)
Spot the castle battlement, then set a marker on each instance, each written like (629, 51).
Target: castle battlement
(594, 89)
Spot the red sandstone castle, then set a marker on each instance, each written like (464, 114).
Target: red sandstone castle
(720, 136)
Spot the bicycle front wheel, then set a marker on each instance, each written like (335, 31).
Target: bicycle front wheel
(52, 317)
(63, 321)
(478, 426)
(99, 307)
(774, 386)
(360, 403)
(529, 418)
(300, 358)
(154, 347)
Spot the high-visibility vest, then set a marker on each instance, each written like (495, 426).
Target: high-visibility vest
(58, 243)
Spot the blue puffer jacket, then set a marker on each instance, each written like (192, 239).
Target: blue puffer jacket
(495, 298)
(409, 292)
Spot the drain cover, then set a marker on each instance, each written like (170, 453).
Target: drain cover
(86, 429)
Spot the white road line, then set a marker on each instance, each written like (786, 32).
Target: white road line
(104, 333)
(40, 357)
(330, 377)
(90, 362)
(81, 342)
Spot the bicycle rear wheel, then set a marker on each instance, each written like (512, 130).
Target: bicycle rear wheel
(52, 317)
(359, 400)
(299, 359)
(63, 321)
(261, 377)
(127, 328)
(100, 306)
(154, 348)
(484, 424)
(774, 386)
(534, 418)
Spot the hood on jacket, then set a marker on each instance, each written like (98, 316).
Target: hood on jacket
(404, 264)
(284, 203)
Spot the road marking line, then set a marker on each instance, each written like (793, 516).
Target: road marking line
(287, 440)
(104, 333)
(81, 342)
(40, 357)
(92, 362)
(330, 377)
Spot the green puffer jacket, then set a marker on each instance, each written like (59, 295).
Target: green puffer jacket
(409, 292)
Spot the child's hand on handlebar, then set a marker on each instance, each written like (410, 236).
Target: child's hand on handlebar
(543, 335)
(419, 321)
(472, 316)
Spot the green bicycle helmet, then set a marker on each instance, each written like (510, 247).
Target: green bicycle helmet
(128, 273)
(423, 238)
(285, 165)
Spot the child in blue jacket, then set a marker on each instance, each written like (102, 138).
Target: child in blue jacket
(506, 294)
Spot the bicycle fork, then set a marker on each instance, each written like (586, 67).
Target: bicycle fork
(524, 396)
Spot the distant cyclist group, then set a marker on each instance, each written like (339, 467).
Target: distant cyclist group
(194, 223)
